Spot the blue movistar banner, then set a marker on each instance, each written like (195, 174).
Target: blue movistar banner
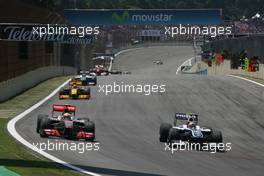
(144, 17)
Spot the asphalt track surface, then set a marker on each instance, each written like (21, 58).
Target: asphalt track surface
(127, 124)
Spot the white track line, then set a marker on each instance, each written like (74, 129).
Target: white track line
(262, 85)
(184, 63)
(126, 50)
(110, 65)
(118, 53)
(12, 130)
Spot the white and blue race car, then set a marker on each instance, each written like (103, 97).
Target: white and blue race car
(188, 131)
(84, 79)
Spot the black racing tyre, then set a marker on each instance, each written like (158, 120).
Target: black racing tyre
(85, 83)
(207, 133)
(44, 124)
(61, 92)
(88, 90)
(89, 126)
(40, 116)
(79, 92)
(64, 92)
(174, 134)
(164, 132)
(216, 136)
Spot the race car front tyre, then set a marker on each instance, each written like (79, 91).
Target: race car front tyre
(40, 116)
(89, 126)
(164, 132)
(88, 91)
(216, 136)
(44, 124)
(174, 134)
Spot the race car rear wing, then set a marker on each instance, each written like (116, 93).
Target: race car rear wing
(84, 72)
(63, 108)
(76, 81)
(186, 116)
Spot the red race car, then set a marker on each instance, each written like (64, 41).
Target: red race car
(63, 123)
(99, 70)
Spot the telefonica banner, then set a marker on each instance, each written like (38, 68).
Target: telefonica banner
(44, 32)
(144, 17)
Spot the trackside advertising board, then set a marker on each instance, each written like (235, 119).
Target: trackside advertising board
(44, 32)
(144, 17)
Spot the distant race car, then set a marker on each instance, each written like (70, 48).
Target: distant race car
(188, 131)
(158, 62)
(75, 92)
(84, 79)
(126, 72)
(99, 70)
(63, 123)
(115, 72)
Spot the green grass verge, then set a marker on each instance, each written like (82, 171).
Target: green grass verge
(13, 155)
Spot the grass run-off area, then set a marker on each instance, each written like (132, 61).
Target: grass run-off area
(13, 155)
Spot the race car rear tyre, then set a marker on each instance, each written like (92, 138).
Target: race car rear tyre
(85, 83)
(90, 128)
(207, 133)
(164, 132)
(174, 134)
(44, 124)
(88, 91)
(216, 136)
(40, 116)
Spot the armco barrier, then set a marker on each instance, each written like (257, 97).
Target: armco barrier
(21, 83)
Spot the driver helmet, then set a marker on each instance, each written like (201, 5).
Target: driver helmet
(66, 115)
(74, 86)
(191, 125)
